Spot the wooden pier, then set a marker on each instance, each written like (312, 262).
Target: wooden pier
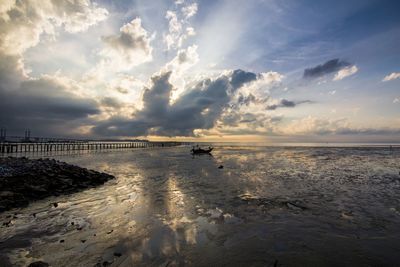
(22, 147)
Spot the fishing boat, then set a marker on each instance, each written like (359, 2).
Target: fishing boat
(201, 151)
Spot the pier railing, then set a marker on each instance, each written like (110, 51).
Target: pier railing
(21, 147)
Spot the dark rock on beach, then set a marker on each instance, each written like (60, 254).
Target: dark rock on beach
(23, 180)
(38, 264)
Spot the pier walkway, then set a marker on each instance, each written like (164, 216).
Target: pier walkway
(18, 147)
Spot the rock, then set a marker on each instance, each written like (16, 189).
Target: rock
(7, 224)
(39, 264)
(6, 194)
(295, 206)
(109, 232)
(24, 180)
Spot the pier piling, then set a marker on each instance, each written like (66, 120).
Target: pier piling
(29, 146)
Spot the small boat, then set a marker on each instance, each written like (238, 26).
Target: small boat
(201, 151)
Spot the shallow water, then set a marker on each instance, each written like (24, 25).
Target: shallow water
(268, 206)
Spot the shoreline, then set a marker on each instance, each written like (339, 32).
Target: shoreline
(24, 180)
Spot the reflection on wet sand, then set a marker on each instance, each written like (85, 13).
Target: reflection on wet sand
(268, 206)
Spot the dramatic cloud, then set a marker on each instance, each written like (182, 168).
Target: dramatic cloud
(50, 105)
(46, 105)
(328, 67)
(70, 67)
(199, 108)
(128, 49)
(392, 76)
(246, 112)
(343, 73)
(23, 22)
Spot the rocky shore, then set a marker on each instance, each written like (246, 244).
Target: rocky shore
(23, 180)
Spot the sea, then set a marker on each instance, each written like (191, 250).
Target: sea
(243, 205)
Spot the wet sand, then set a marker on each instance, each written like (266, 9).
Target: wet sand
(268, 206)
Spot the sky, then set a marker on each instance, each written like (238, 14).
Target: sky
(256, 70)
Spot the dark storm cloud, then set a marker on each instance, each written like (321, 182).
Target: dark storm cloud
(246, 100)
(326, 68)
(240, 77)
(250, 99)
(284, 103)
(44, 105)
(199, 108)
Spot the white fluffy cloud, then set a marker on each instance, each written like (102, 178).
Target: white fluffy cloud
(260, 87)
(190, 10)
(173, 38)
(185, 58)
(128, 49)
(23, 22)
(190, 31)
(392, 76)
(179, 28)
(345, 72)
(53, 104)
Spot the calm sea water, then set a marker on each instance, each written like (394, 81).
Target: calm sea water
(268, 206)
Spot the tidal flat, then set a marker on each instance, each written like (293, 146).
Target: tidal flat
(267, 206)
